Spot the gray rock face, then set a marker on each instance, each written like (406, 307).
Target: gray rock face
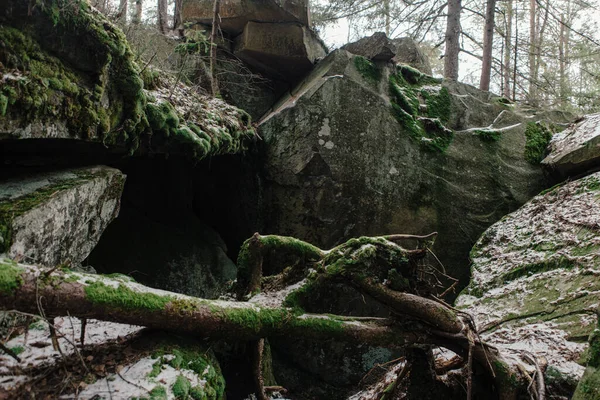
(235, 14)
(535, 283)
(376, 47)
(342, 161)
(286, 51)
(577, 148)
(409, 52)
(56, 217)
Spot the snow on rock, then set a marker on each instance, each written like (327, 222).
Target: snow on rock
(36, 350)
(577, 148)
(535, 283)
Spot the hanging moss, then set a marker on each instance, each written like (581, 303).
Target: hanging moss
(439, 105)
(367, 69)
(406, 109)
(538, 138)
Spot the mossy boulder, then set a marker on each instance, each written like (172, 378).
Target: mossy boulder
(68, 73)
(57, 217)
(534, 283)
(366, 148)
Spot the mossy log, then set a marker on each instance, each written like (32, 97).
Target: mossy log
(374, 266)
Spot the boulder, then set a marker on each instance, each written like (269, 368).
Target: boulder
(57, 217)
(534, 284)
(78, 80)
(376, 47)
(364, 149)
(285, 51)
(577, 148)
(235, 14)
(409, 52)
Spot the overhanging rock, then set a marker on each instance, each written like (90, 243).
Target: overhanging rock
(235, 14)
(285, 51)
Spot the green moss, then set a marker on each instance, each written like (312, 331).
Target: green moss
(367, 69)
(124, 298)
(428, 130)
(10, 209)
(416, 77)
(488, 135)
(538, 138)
(10, 277)
(534, 268)
(18, 349)
(439, 105)
(156, 369)
(158, 393)
(181, 388)
(3, 105)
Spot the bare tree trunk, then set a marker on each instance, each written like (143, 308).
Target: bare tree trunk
(122, 14)
(163, 26)
(452, 40)
(515, 66)
(386, 6)
(138, 12)
(532, 97)
(177, 20)
(508, 49)
(214, 84)
(488, 42)
(564, 55)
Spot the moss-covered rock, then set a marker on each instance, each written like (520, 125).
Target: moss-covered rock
(69, 73)
(534, 279)
(57, 217)
(394, 155)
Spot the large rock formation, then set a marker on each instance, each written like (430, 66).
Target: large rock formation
(273, 36)
(74, 77)
(362, 149)
(534, 284)
(235, 14)
(284, 51)
(57, 217)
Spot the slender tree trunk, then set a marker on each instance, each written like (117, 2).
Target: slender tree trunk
(516, 47)
(532, 53)
(508, 49)
(386, 6)
(123, 12)
(488, 42)
(564, 55)
(177, 20)
(163, 26)
(452, 40)
(137, 18)
(213, 48)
